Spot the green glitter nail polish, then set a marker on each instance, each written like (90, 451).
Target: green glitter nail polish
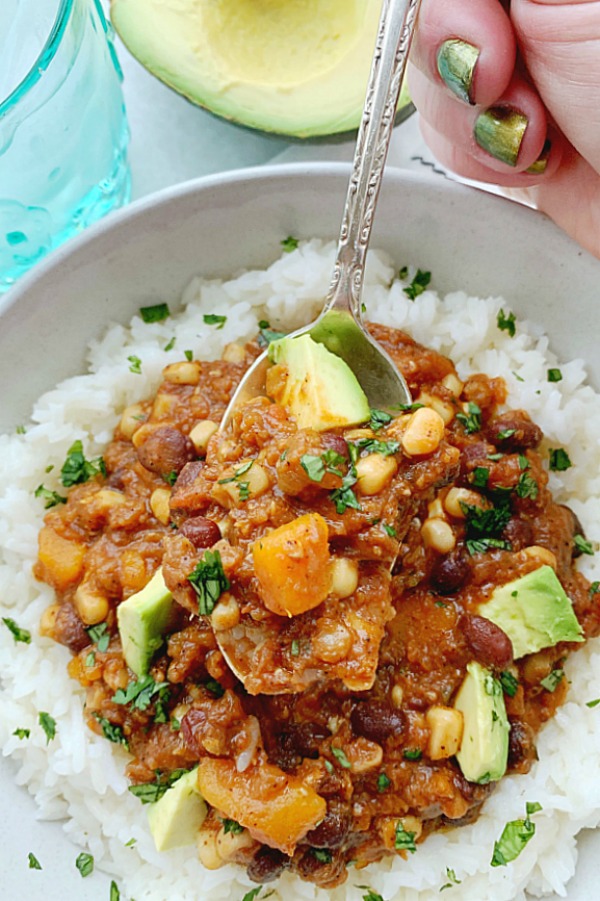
(499, 131)
(456, 64)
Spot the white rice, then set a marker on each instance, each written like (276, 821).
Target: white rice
(78, 777)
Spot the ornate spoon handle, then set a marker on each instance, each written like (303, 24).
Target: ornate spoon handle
(396, 28)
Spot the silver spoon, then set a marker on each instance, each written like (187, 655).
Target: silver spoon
(340, 325)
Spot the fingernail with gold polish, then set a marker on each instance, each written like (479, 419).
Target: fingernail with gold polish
(456, 64)
(499, 131)
(540, 165)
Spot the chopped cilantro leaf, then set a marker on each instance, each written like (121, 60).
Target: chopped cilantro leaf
(412, 754)
(90, 659)
(553, 680)
(170, 344)
(404, 841)
(515, 835)
(85, 864)
(209, 581)
(594, 589)
(509, 683)
(19, 634)
(583, 545)
(504, 434)
(20, 430)
(554, 375)
(48, 724)
(155, 313)
(389, 530)
(452, 880)
(34, 863)
(481, 545)
(559, 459)
(295, 648)
(379, 418)
(253, 893)
(51, 498)
(506, 323)
(340, 756)
(136, 364)
(214, 319)
(532, 807)
(266, 334)
(480, 476)
(419, 283)
(115, 894)
(593, 703)
(383, 782)
(484, 524)
(371, 895)
(189, 355)
(76, 469)
(100, 635)
(289, 244)
(471, 420)
(322, 855)
(111, 731)
(22, 733)
(141, 693)
(374, 446)
(527, 486)
(214, 687)
(150, 792)
(232, 826)
(316, 467)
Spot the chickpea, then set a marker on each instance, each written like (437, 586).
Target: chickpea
(226, 613)
(48, 620)
(344, 577)
(374, 472)
(202, 433)
(332, 642)
(248, 484)
(207, 849)
(91, 606)
(184, 373)
(542, 554)
(159, 504)
(423, 433)
(397, 696)
(234, 353)
(438, 535)
(131, 419)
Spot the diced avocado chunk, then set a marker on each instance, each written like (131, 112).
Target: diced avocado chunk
(176, 817)
(143, 620)
(315, 386)
(483, 752)
(534, 611)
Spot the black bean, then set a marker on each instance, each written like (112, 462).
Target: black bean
(376, 721)
(267, 865)
(451, 572)
(200, 531)
(333, 829)
(488, 642)
(518, 532)
(165, 451)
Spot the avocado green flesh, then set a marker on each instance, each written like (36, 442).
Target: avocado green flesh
(320, 390)
(293, 67)
(143, 620)
(534, 611)
(483, 753)
(176, 817)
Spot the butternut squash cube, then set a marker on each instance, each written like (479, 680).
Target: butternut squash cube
(60, 560)
(292, 565)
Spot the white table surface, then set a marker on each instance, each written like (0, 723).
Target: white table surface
(173, 141)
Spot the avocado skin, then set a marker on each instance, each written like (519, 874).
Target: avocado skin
(534, 611)
(483, 753)
(143, 620)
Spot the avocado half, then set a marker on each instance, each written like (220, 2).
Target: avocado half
(292, 67)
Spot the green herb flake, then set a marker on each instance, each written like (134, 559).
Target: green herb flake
(389, 530)
(295, 648)
(156, 313)
(484, 524)
(170, 344)
(20, 635)
(370, 894)
(518, 377)
(20, 430)
(329, 766)
(412, 754)
(214, 687)
(289, 244)
(515, 835)
(383, 782)
(48, 724)
(527, 486)
(509, 683)
(419, 283)
(471, 420)
(405, 841)
(374, 446)
(554, 375)
(141, 693)
(316, 466)
(583, 545)
(90, 659)
(50, 498)
(266, 334)
(506, 323)
(532, 807)
(85, 864)
(150, 792)
(590, 704)
(253, 893)
(76, 469)
(480, 477)
(322, 855)
(175, 724)
(209, 581)
(594, 589)
(189, 355)
(232, 826)
(452, 880)
(135, 364)
(34, 863)
(130, 843)
(111, 731)
(100, 636)
(22, 733)
(214, 319)
(379, 419)
(115, 894)
(341, 758)
(553, 680)
(559, 460)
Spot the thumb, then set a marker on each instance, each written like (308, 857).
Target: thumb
(560, 44)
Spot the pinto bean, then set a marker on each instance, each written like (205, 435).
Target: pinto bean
(333, 829)
(451, 572)
(513, 430)
(267, 865)
(521, 747)
(519, 532)
(488, 642)
(166, 450)
(200, 531)
(335, 443)
(69, 630)
(376, 721)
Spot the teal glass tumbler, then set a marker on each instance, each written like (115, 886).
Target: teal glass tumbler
(63, 127)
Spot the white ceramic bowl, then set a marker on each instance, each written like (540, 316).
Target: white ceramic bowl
(149, 251)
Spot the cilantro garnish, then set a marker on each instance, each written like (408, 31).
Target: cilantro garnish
(289, 244)
(111, 731)
(374, 446)
(559, 459)
(85, 864)
(322, 855)
(503, 434)
(243, 487)
(209, 581)
(345, 497)
(214, 319)
(76, 469)
(471, 420)
(100, 635)
(594, 589)
(141, 693)
(19, 634)
(527, 486)
(253, 893)
(155, 313)
(484, 524)
(136, 364)
(170, 344)
(583, 545)
(214, 687)
(48, 724)
(553, 680)
(266, 334)
(34, 863)
(405, 841)
(379, 418)
(22, 733)
(295, 647)
(341, 758)
(389, 530)
(452, 880)
(232, 826)
(419, 283)
(115, 894)
(554, 375)
(412, 754)
(506, 323)
(515, 835)
(593, 703)
(150, 792)
(51, 498)
(509, 683)
(480, 477)
(383, 782)
(189, 355)
(316, 467)
(371, 895)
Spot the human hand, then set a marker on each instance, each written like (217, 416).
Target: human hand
(509, 93)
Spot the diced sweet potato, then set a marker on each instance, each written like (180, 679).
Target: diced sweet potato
(60, 561)
(292, 565)
(278, 809)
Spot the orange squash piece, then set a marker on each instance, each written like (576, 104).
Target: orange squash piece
(60, 561)
(292, 565)
(278, 809)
